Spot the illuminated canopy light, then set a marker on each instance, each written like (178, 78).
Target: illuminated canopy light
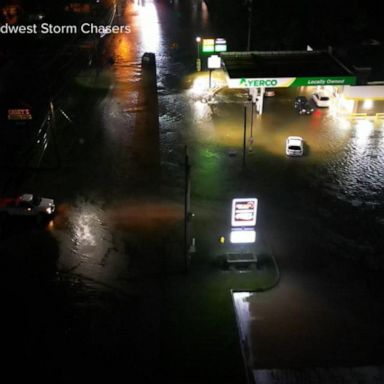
(368, 104)
(241, 237)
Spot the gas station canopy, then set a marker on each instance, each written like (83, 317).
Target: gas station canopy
(274, 69)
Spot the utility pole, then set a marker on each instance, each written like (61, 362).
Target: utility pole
(251, 136)
(210, 78)
(250, 6)
(52, 132)
(245, 134)
(198, 60)
(187, 214)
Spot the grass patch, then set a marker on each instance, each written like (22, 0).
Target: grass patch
(200, 333)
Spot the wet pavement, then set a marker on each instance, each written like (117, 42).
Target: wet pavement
(117, 236)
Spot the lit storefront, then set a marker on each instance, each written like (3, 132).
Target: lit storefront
(367, 100)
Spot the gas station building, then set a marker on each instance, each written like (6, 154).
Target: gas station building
(258, 70)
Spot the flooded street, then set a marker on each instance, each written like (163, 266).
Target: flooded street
(117, 237)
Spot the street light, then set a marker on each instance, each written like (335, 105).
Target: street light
(187, 214)
(198, 40)
(198, 61)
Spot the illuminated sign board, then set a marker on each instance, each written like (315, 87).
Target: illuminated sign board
(214, 62)
(220, 45)
(214, 45)
(242, 237)
(208, 45)
(244, 212)
(19, 114)
(285, 82)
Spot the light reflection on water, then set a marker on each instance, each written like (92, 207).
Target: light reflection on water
(363, 129)
(149, 27)
(344, 158)
(349, 155)
(359, 170)
(86, 223)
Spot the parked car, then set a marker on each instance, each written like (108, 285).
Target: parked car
(294, 146)
(27, 205)
(303, 106)
(321, 99)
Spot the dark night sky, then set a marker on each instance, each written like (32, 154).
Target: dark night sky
(289, 25)
(323, 21)
(281, 25)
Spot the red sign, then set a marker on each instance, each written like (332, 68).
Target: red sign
(19, 114)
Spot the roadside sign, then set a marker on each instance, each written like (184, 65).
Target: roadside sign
(214, 62)
(214, 45)
(208, 45)
(285, 82)
(220, 45)
(19, 114)
(244, 212)
(239, 236)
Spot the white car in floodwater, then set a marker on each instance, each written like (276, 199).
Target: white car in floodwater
(294, 146)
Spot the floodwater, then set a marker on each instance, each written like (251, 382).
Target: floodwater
(121, 187)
